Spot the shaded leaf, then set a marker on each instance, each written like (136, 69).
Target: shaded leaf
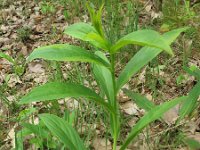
(151, 116)
(191, 102)
(36, 129)
(192, 143)
(140, 100)
(64, 131)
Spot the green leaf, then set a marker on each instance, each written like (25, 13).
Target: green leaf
(80, 30)
(86, 32)
(36, 129)
(58, 90)
(193, 71)
(143, 57)
(96, 18)
(98, 41)
(140, 100)
(172, 35)
(139, 60)
(151, 116)
(193, 144)
(65, 52)
(64, 131)
(103, 77)
(148, 38)
(7, 57)
(191, 102)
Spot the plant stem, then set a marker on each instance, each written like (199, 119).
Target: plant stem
(115, 116)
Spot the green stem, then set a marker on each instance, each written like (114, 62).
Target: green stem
(115, 116)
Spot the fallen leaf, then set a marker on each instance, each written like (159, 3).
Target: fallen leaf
(129, 108)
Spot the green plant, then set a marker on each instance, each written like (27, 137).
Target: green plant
(24, 33)
(17, 68)
(104, 73)
(47, 8)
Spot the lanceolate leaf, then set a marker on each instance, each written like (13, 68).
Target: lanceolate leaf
(86, 32)
(139, 60)
(58, 90)
(64, 131)
(36, 129)
(144, 38)
(140, 100)
(191, 102)
(7, 57)
(65, 52)
(172, 35)
(98, 41)
(96, 19)
(151, 116)
(143, 57)
(80, 30)
(104, 78)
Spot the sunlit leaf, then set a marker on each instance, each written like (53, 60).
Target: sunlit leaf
(104, 78)
(7, 57)
(86, 32)
(80, 30)
(143, 57)
(58, 90)
(65, 52)
(148, 38)
(173, 34)
(139, 60)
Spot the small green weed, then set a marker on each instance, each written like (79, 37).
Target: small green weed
(24, 33)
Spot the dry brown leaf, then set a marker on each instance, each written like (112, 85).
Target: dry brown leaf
(129, 108)
(36, 67)
(102, 144)
(171, 115)
(14, 79)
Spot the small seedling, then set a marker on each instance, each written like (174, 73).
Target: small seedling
(24, 33)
